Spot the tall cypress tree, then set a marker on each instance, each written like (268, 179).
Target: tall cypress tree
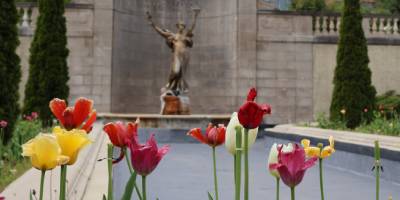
(353, 90)
(48, 72)
(10, 69)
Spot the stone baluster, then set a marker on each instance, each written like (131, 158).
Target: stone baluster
(321, 24)
(382, 28)
(395, 25)
(25, 19)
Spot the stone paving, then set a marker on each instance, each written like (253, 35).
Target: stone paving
(185, 173)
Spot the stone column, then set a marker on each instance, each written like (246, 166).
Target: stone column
(246, 51)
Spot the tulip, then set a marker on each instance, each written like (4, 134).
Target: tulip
(71, 142)
(74, 117)
(321, 152)
(292, 166)
(273, 159)
(230, 142)
(214, 136)
(45, 154)
(145, 158)
(250, 116)
(2, 198)
(44, 151)
(250, 113)
(121, 135)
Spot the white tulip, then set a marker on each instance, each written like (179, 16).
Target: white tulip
(273, 156)
(230, 137)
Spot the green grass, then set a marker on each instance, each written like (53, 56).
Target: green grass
(12, 170)
(12, 164)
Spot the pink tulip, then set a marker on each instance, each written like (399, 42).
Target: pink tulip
(292, 165)
(145, 157)
(3, 124)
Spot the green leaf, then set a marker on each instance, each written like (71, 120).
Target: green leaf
(209, 196)
(129, 187)
(104, 197)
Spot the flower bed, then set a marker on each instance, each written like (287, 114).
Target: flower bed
(12, 164)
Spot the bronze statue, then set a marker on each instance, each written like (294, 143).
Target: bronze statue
(179, 43)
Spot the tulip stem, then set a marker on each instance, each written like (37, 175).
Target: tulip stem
(63, 180)
(42, 184)
(321, 182)
(133, 173)
(215, 174)
(277, 188)
(144, 187)
(292, 192)
(109, 165)
(238, 164)
(128, 160)
(246, 164)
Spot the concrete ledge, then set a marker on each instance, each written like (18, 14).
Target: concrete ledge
(169, 121)
(358, 143)
(78, 175)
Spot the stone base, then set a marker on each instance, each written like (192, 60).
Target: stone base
(174, 104)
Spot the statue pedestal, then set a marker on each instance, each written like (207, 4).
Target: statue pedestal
(172, 104)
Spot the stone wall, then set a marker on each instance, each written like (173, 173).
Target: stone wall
(89, 41)
(295, 64)
(141, 58)
(117, 60)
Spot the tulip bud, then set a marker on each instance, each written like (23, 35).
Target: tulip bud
(230, 141)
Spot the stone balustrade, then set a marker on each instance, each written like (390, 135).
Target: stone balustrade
(374, 25)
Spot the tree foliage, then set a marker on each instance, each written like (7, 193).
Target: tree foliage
(10, 69)
(353, 90)
(48, 71)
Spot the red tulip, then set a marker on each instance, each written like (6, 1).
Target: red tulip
(214, 136)
(250, 113)
(74, 117)
(121, 135)
(292, 165)
(145, 158)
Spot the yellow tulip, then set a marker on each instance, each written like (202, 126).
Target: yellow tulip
(44, 151)
(230, 136)
(71, 142)
(312, 151)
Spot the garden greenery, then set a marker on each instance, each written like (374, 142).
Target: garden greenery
(12, 164)
(48, 72)
(10, 69)
(353, 90)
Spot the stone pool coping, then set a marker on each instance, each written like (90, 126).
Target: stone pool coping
(354, 142)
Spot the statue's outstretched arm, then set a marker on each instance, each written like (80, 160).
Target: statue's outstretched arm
(159, 30)
(196, 13)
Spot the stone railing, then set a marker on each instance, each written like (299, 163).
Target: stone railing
(374, 25)
(79, 18)
(25, 11)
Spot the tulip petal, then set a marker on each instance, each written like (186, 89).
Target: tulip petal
(305, 143)
(112, 133)
(252, 94)
(57, 107)
(68, 116)
(71, 142)
(82, 109)
(88, 125)
(196, 133)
